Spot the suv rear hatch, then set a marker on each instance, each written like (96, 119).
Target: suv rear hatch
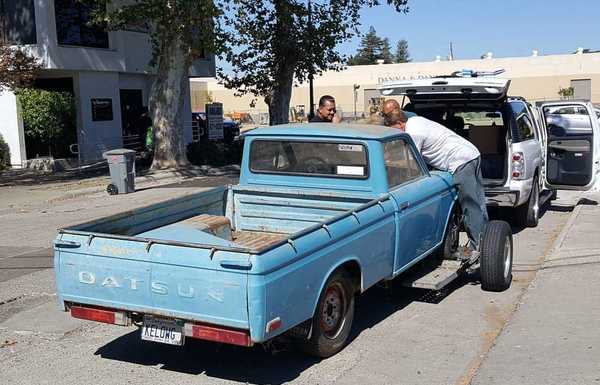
(449, 89)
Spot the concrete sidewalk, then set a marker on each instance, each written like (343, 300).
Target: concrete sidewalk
(23, 190)
(554, 335)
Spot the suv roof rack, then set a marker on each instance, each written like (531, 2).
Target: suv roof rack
(469, 73)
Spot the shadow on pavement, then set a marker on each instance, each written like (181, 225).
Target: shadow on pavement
(256, 365)
(246, 365)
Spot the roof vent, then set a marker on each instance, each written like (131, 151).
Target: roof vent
(489, 55)
(438, 58)
(579, 50)
(380, 61)
(534, 53)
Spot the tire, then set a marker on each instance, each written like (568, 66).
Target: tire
(451, 235)
(528, 214)
(111, 189)
(333, 317)
(496, 253)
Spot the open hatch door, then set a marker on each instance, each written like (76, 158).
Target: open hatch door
(572, 144)
(449, 88)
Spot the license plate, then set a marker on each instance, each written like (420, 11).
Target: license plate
(162, 330)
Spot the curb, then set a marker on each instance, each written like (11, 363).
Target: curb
(561, 237)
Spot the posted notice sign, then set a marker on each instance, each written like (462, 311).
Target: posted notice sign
(214, 120)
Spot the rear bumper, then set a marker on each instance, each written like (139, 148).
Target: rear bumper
(191, 329)
(501, 197)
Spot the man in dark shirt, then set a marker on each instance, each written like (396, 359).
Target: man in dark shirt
(326, 112)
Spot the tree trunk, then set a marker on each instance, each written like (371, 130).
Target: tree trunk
(166, 106)
(279, 100)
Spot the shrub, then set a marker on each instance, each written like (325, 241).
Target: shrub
(4, 154)
(48, 121)
(214, 153)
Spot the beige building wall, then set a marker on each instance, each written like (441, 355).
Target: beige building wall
(535, 78)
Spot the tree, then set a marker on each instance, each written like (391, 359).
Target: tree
(180, 31)
(386, 51)
(273, 43)
(402, 55)
(17, 68)
(369, 50)
(566, 93)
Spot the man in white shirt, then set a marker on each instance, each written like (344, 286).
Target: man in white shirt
(445, 150)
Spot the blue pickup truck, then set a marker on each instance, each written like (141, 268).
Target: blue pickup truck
(321, 213)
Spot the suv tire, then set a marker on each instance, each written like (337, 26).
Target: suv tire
(528, 214)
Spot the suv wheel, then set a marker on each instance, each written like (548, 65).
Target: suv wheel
(528, 214)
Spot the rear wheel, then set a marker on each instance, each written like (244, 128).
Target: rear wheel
(528, 214)
(333, 317)
(496, 256)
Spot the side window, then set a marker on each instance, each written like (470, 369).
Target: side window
(400, 163)
(525, 127)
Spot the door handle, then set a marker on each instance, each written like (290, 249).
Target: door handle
(404, 205)
(67, 244)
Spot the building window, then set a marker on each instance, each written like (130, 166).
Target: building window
(17, 22)
(73, 26)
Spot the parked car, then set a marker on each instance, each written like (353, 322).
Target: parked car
(321, 213)
(520, 168)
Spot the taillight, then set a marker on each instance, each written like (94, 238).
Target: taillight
(105, 315)
(517, 165)
(218, 334)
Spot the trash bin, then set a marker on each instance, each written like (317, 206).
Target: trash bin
(121, 164)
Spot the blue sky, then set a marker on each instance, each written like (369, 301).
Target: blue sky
(504, 27)
(475, 27)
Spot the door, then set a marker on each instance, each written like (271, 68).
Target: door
(417, 199)
(132, 109)
(573, 147)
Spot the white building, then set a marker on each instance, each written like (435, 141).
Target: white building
(106, 72)
(536, 77)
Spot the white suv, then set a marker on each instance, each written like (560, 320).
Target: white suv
(527, 152)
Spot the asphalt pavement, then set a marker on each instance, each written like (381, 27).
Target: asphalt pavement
(542, 330)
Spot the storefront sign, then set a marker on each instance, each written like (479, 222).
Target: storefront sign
(102, 110)
(214, 117)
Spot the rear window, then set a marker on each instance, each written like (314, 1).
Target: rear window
(339, 159)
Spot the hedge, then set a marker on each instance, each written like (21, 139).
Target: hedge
(4, 154)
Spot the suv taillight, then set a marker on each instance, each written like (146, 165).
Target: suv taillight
(518, 165)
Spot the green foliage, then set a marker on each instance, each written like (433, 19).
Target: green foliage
(215, 153)
(566, 93)
(4, 154)
(402, 55)
(369, 50)
(272, 43)
(17, 67)
(373, 48)
(48, 120)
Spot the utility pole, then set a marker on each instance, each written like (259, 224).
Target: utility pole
(311, 91)
(355, 88)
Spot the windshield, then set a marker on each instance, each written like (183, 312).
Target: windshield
(347, 160)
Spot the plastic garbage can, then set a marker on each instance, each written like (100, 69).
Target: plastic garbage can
(121, 164)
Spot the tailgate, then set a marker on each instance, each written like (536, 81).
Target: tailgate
(170, 280)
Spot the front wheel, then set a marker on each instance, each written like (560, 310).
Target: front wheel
(496, 252)
(333, 317)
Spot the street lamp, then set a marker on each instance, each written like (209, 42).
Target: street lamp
(355, 88)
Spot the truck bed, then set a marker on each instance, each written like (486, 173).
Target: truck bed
(213, 229)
